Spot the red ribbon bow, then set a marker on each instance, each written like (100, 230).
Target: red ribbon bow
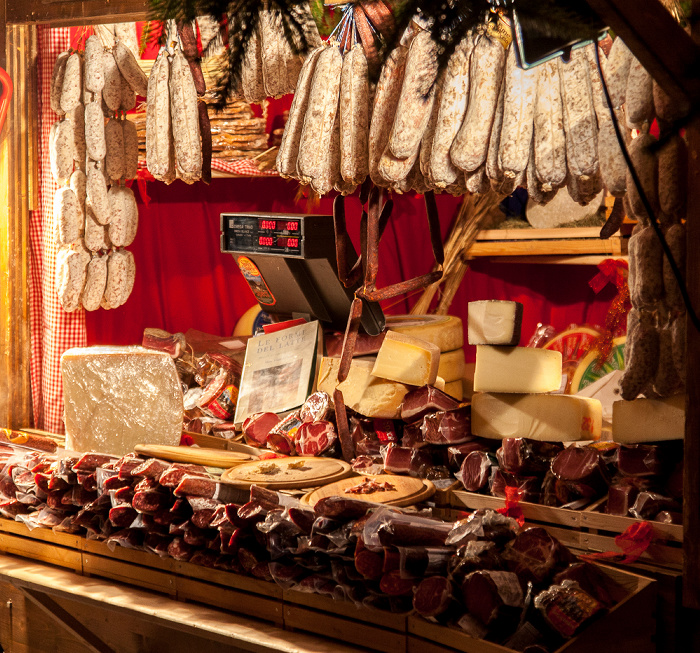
(634, 542)
(512, 507)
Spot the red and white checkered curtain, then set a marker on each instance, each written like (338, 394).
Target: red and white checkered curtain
(52, 329)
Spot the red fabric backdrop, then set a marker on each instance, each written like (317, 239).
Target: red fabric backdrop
(183, 281)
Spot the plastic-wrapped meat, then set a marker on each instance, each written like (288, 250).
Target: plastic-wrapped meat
(172, 476)
(433, 596)
(180, 550)
(448, 426)
(422, 561)
(483, 524)
(646, 459)
(581, 476)
(567, 608)
(267, 499)
(391, 528)
(493, 596)
(369, 564)
(342, 509)
(669, 517)
(315, 438)
(42, 482)
(204, 559)
(458, 452)
(115, 483)
(150, 501)
(314, 584)
(286, 575)
(129, 538)
(89, 462)
(281, 438)
(621, 498)
(392, 584)
(257, 427)
(124, 494)
(122, 516)
(150, 468)
(413, 436)
(534, 555)
(473, 556)
(526, 457)
(195, 536)
(530, 487)
(593, 581)
(127, 463)
(248, 558)
(368, 465)
(402, 460)
(427, 399)
(203, 510)
(364, 437)
(649, 504)
(316, 408)
(476, 470)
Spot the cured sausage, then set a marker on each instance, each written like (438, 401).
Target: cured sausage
(672, 166)
(95, 282)
(114, 158)
(616, 71)
(131, 149)
(252, 72)
(644, 162)
(94, 64)
(549, 139)
(666, 380)
(641, 354)
(78, 183)
(126, 34)
(329, 176)
(613, 167)
(95, 144)
(678, 344)
(289, 147)
(354, 117)
(280, 66)
(639, 99)
(71, 264)
(59, 72)
(667, 109)
(385, 100)
(580, 124)
(95, 235)
(97, 197)
(675, 237)
(61, 150)
(112, 90)
(185, 119)
(159, 143)
(417, 96)
(72, 83)
(67, 215)
(130, 69)
(518, 116)
(452, 107)
(486, 69)
(426, 144)
(320, 116)
(77, 119)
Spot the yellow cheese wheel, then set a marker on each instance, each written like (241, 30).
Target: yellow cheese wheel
(451, 366)
(455, 389)
(445, 331)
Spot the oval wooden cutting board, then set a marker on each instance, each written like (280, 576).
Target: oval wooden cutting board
(408, 490)
(195, 455)
(288, 473)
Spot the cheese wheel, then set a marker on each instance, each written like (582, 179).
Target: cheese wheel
(451, 366)
(455, 389)
(445, 331)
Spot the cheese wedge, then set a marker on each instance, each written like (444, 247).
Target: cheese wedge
(648, 420)
(552, 418)
(494, 322)
(517, 369)
(406, 359)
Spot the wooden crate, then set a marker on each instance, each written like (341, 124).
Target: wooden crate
(343, 621)
(589, 529)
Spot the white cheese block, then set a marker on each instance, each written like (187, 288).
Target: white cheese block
(118, 397)
(552, 418)
(407, 360)
(455, 389)
(494, 322)
(452, 365)
(517, 369)
(445, 331)
(366, 394)
(649, 420)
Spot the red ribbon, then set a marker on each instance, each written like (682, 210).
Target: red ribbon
(634, 542)
(142, 176)
(611, 271)
(512, 507)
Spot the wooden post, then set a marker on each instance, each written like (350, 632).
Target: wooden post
(691, 459)
(18, 181)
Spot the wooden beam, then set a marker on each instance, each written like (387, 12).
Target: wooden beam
(658, 41)
(17, 192)
(62, 13)
(691, 459)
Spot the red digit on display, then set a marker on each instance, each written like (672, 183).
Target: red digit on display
(292, 226)
(292, 242)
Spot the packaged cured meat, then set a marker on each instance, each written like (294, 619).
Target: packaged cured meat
(580, 464)
(448, 426)
(525, 456)
(529, 488)
(476, 470)
(593, 581)
(393, 528)
(493, 597)
(281, 437)
(642, 460)
(457, 453)
(257, 427)
(316, 408)
(621, 497)
(648, 504)
(315, 438)
(534, 555)
(402, 460)
(567, 608)
(483, 525)
(427, 399)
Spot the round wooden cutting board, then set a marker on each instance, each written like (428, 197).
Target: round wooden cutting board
(195, 455)
(288, 473)
(408, 490)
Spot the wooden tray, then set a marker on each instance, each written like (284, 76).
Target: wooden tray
(195, 455)
(408, 491)
(315, 472)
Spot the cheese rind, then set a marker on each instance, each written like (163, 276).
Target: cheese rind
(517, 369)
(649, 420)
(445, 331)
(452, 365)
(408, 360)
(551, 418)
(494, 322)
(365, 394)
(118, 397)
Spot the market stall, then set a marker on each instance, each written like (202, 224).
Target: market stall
(98, 515)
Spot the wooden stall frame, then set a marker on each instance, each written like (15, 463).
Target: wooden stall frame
(661, 45)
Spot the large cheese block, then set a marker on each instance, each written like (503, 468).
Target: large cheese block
(368, 395)
(452, 364)
(517, 369)
(118, 397)
(552, 418)
(445, 331)
(649, 420)
(494, 322)
(407, 360)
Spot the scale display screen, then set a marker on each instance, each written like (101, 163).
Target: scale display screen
(263, 235)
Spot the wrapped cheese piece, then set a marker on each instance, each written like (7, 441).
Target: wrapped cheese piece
(517, 369)
(493, 322)
(406, 359)
(118, 397)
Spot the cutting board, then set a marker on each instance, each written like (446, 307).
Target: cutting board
(195, 455)
(408, 490)
(304, 472)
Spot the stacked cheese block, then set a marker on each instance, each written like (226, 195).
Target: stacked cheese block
(648, 482)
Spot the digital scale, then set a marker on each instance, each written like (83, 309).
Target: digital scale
(290, 265)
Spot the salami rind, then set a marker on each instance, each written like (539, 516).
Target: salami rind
(549, 139)
(639, 99)
(616, 71)
(354, 117)
(160, 153)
